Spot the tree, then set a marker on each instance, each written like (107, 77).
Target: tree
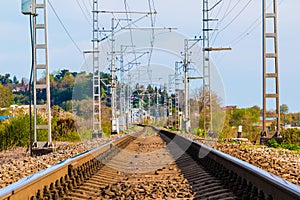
(284, 110)
(4, 80)
(247, 117)
(15, 80)
(6, 97)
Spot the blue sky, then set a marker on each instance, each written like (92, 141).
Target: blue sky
(241, 68)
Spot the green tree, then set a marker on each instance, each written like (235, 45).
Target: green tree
(284, 109)
(4, 80)
(247, 117)
(6, 97)
(15, 80)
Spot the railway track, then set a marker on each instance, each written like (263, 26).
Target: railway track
(152, 164)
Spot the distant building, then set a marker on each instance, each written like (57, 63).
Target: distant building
(229, 107)
(19, 108)
(289, 126)
(269, 121)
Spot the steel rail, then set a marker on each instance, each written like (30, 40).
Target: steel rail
(28, 186)
(271, 185)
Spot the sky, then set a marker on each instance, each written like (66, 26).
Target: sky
(238, 27)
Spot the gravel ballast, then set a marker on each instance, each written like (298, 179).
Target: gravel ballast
(16, 164)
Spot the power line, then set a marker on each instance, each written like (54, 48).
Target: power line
(226, 14)
(227, 25)
(218, 12)
(130, 30)
(83, 13)
(89, 4)
(153, 20)
(250, 28)
(229, 12)
(88, 10)
(64, 27)
(247, 32)
(241, 11)
(255, 24)
(222, 18)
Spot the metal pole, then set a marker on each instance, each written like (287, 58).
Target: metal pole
(115, 128)
(206, 70)
(97, 128)
(270, 66)
(41, 67)
(264, 64)
(186, 88)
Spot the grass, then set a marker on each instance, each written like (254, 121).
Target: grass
(293, 147)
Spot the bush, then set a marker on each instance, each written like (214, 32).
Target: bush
(63, 125)
(291, 136)
(199, 132)
(14, 132)
(290, 146)
(273, 143)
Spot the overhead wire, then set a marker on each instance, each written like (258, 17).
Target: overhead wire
(230, 11)
(247, 32)
(129, 24)
(218, 12)
(88, 10)
(222, 18)
(239, 13)
(152, 39)
(83, 13)
(233, 19)
(91, 6)
(255, 24)
(250, 28)
(64, 27)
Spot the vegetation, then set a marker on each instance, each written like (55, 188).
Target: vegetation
(291, 136)
(6, 97)
(273, 143)
(247, 117)
(14, 132)
(65, 125)
(72, 107)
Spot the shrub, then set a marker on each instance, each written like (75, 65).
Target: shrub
(290, 146)
(273, 143)
(291, 136)
(14, 132)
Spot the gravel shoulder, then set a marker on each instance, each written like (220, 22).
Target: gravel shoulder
(16, 163)
(281, 162)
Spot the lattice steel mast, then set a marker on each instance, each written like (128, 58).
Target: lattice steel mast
(207, 107)
(114, 119)
(177, 94)
(97, 129)
(186, 62)
(270, 64)
(41, 105)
